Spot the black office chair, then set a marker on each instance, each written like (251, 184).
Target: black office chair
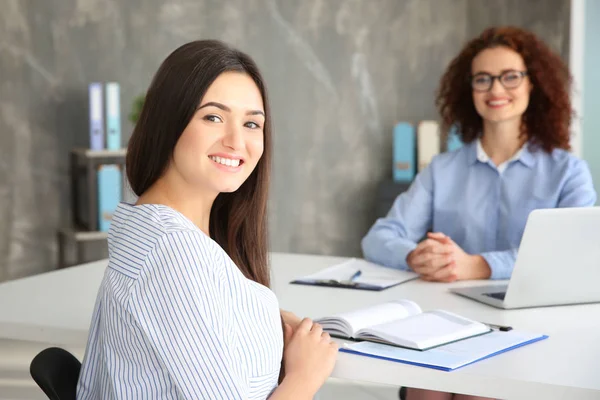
(402, 393)
(56, 372)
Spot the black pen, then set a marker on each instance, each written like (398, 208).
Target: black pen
(501, 328)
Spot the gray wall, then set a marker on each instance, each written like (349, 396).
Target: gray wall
(340, 74)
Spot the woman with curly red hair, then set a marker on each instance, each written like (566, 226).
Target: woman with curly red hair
(464, 215)
(508, 95)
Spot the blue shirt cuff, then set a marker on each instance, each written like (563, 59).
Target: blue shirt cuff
(391, 253)
(501, 263)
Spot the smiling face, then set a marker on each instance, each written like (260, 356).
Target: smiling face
(224, 140)
(508, 97)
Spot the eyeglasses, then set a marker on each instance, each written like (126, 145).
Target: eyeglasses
(482, 82)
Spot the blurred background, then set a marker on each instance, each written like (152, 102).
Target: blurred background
(340, 73)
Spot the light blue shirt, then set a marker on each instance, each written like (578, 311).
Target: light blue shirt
(483, 208)
(176, 319)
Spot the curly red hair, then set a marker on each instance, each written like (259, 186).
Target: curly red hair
(548, 116)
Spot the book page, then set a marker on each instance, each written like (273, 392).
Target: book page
(425, 330)
(373, 315)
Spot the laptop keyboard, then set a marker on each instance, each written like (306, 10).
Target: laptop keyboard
(498, 295)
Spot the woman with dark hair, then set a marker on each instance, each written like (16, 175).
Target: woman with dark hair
(464, 215)
(184, 310)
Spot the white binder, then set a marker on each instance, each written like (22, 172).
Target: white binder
(428, 143)
(96, 117)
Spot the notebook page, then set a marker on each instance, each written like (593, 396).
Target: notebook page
(341, 271)
(377, 314)
(426, 329)
(372, 274)
(377, 275)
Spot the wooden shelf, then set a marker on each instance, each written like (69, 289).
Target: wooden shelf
(83, 236)
(79, 238)
(87, 153)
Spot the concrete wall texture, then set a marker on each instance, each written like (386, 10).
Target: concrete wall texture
(340, 75)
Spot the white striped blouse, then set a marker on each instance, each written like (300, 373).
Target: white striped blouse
(176, 319)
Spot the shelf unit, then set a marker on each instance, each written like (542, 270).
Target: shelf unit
(83, 168)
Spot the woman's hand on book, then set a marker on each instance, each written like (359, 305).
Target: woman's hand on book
(309, 355)
(290, 318)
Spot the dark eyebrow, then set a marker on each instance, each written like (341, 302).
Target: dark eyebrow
(255, 112)
(214, 104)
(503, 71)
(225, 108)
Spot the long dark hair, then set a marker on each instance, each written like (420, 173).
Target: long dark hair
(238, 220)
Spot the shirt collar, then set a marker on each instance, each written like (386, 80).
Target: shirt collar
(524, 155)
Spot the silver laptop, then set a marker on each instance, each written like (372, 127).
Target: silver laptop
(558, 262)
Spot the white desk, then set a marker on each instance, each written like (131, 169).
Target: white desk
(56, 308)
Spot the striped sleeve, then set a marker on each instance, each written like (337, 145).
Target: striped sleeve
(179, 304)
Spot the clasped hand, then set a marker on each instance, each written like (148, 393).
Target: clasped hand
(439, 258)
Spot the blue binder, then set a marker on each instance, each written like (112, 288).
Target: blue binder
(109, 194)
(404, 148)
(113, 116)
(454, 142)
(451, 356)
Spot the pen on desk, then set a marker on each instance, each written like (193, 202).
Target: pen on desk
(501, 328)
(356, 275)
(348, 282)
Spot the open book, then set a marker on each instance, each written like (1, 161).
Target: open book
(402, 323)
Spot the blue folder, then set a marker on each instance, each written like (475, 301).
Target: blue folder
(404, 156)
(453, 142)
(450, 356)
(109, 194)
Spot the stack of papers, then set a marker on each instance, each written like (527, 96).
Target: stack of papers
(358, 274)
